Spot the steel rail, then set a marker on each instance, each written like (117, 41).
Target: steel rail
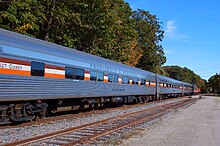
(80, 114)
(90, 132)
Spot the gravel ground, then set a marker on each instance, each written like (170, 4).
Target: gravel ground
(15, 134)
(196, 125)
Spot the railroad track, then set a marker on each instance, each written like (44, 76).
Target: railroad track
(71, 114)
(94, 132)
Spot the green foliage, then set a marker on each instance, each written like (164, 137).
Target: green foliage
(150, 35)
(28, 17)
(106, 28)
(185, 75)
(214, 83)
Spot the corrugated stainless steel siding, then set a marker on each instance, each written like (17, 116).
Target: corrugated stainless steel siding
(170, 90)
(14, 87)
(33, 45)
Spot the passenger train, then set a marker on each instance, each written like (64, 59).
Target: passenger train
(38, 77)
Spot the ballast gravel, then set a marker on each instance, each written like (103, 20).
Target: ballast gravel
(196, 125)
(15, 134)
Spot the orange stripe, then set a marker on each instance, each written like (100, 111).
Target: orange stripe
(147, 84)
(86, 78)
(51, 75)
(15, 72)
(105, 78)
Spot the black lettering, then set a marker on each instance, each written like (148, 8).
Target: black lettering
(3, 65)
(15, 67)
(118, 89)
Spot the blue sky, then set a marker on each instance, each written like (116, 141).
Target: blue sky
(192, 32)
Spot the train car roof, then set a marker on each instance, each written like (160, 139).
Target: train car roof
(168, 80)
(22, 45)
(171, 80)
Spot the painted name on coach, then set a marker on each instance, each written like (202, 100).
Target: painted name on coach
(10, 66)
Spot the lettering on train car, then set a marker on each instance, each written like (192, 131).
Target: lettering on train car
(109, 69)
(3, 65)
(10, 66)
(103, 68)
(118, 89)
(15, 67)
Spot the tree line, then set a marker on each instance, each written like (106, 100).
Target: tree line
(185, 75)
(213, 84)
(106, 28)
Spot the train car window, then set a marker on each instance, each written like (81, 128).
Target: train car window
(93, 75)
(79, 74)
(143, 81)
(69, 72)
(115, 78)
(100, 76)
(110, 78)
(37, 68)
(135, 81)
(125, 80)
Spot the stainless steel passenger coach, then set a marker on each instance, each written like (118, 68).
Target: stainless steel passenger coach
(37, 77)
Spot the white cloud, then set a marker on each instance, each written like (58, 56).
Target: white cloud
(170, 28)
(170, 31)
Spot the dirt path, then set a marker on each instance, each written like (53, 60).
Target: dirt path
(197, 125)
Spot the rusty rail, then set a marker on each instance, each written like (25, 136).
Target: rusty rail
(74, 115)
(90, 132)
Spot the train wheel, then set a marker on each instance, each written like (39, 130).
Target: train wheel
(4, 117)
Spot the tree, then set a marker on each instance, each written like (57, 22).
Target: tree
(106, 28)
(214, 83)
(185, 75)
(150, 35)
(30, 17)
(17, 16)
(102, 27)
